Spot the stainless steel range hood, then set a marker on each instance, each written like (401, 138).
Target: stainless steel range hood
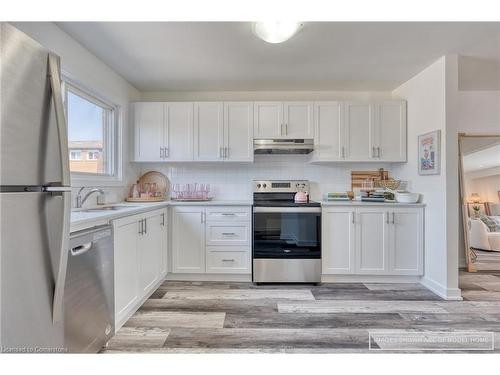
(283, 146)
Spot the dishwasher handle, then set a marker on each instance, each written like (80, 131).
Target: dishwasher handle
(82, 249)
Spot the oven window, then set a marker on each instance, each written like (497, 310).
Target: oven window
(287, 235)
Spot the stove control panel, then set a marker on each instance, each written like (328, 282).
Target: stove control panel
(280, 186)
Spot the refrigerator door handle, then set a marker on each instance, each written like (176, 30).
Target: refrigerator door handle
(60, 277)
(55, 85)
(56, 189)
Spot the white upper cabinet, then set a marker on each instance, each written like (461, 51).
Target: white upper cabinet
(390, 131)
(268, 120)
(358, 131)
(224, 131)
(329, 131)
(163, 131)
(178, 131)
(283, 120)
(149, 128)
(238, 131)
(298, 120)
(209, 131)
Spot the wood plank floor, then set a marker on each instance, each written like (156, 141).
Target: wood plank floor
(219, 317)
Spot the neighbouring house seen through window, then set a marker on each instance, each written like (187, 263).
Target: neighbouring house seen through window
(91, 133)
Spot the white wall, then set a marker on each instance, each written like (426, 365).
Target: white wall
(84, 67)
(435, 102)
(486, 187)
(473, 112)
(426, 96)
(234, 181)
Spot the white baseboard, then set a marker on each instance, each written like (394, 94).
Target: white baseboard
(208, 277)
(369, 279)
(449, 294)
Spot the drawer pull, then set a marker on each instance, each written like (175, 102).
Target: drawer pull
(228, 234)
(228, 260)
(227, 214)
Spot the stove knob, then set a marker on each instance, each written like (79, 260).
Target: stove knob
(264, 186)
(258, 186)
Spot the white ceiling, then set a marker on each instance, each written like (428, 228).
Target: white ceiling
(212, 56)
(482, 159)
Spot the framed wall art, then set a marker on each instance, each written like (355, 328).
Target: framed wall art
(429, 153)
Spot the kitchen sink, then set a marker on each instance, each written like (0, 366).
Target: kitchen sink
(102, 209)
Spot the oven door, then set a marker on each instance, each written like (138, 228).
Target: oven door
(287, 233)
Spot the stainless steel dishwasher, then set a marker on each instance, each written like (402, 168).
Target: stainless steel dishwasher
(89, 291)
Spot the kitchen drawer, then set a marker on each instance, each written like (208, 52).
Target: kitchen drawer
(228, 259)
(228, 234)
(229, 213)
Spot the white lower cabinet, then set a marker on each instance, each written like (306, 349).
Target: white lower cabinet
(406, 241)
(126, 275)
(211, 239)
(140, 252)
(188, 239)
(372, 240)
(337, 240)
(229, 259)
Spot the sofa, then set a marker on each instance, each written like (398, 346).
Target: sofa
(481, 238)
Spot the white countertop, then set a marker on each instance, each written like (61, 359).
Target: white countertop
(361, 203)
(81, 219)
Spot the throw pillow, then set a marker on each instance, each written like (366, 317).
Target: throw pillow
(492, 222)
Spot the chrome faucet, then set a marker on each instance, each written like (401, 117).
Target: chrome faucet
(81, 200)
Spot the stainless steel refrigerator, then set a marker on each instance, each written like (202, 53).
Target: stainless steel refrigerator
(34, 197)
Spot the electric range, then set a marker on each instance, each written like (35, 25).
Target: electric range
(286, 234)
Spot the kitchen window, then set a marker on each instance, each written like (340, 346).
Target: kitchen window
(92, 134)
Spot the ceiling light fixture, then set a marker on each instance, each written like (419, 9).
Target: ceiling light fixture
(276, 32)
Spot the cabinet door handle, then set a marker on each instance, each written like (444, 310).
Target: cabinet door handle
(145, 226)
(373, 152)
(378, 152)
(227, 214)
(353, 219)
(387, 217)
(161, 152)
(140, 226)
(281, 129)
(228, 234)
(220, 153)
(227, 152)
(162, 220)
(166, 152)
(228, 260)
(286, 129)
(393, 218)
(343, 152)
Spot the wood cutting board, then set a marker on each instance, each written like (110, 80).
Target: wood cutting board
(357, 177)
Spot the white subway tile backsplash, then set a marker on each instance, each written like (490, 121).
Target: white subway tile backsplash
(234, 181)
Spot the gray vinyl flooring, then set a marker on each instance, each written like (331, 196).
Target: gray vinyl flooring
(225, 317)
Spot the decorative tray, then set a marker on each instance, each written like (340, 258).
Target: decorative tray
(148, 199)
(191, 199)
